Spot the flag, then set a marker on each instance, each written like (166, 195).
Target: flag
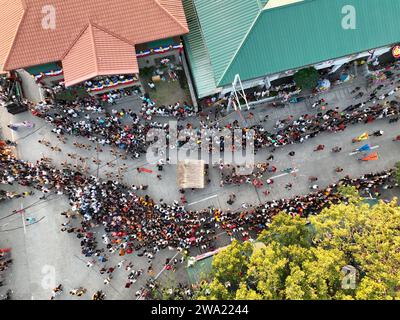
(365, 147)
(371, 157)
(364, 136)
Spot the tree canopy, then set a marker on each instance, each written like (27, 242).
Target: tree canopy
(397, 168)
(306, 78)
(304, 259)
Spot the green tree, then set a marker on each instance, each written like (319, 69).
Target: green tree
(287, 230)
(369, 237)
(229, 266)
(397, 172)
(303, 259)
(350, 192)
(306, 78)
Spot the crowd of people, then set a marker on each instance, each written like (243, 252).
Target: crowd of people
(126, 130)
(134, 222)
(104, 82)
(137, 223)
(150, 109)
(307, 126)
(231, 174)
(5, 263)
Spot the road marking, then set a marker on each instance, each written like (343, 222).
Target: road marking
(23, 217)
(356, 152)
(284, 174)
(214, 196)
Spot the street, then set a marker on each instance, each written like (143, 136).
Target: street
(41, 251)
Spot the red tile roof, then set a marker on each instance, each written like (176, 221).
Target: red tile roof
(115, 25)
(103, 54)
(8, 9)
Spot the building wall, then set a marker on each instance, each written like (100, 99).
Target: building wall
(150, 61)
(30, 88)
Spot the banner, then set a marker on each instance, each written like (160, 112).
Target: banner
(371, 157)
(52, 73)
(365, 147)
(364, 136)
(159, 50)
(112, 85)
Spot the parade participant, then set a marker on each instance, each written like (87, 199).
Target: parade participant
(56, 291)
(378, 133)
(320, 147)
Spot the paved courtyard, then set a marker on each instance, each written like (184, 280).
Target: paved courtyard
(42, 250)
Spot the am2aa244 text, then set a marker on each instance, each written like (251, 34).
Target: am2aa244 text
(201, 309)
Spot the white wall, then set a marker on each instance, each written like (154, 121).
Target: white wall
(30, 88)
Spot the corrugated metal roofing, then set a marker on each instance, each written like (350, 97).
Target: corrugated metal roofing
(278, 3)
(224, 25)
(254, 42)
(199, 59)
(311, 31)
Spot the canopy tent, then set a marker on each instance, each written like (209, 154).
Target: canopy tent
(191, 174)
(324, 85)
(345, 77)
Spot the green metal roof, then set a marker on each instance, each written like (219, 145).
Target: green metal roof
(224, 24)
(199, 59)
(242, 38)
(311, 31)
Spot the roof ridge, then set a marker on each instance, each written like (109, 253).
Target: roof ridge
(115, 35)
(75, 40)
(240, 46)
(171, 15)
(95, 25)
(96, 62)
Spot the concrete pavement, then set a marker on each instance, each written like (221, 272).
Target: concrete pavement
(42, 248)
